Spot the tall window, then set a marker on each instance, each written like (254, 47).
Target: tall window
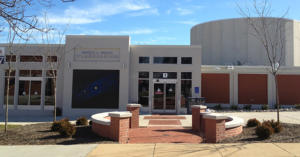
(186, 87)
(143, 88)
(11, 93)
(50, 87)
(30, 82)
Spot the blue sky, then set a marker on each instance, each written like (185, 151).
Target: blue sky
(152, 22)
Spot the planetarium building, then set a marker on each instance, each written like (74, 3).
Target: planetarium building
(224, 64)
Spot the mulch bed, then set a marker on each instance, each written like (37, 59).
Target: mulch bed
(40, 134)
(290, 134)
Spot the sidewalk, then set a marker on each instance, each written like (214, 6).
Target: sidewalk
(154, 150)
(191, 150)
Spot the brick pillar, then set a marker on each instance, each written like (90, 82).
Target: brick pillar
(214, 127)
(196, 118)
(135, 111)
(120, 126)
(202, 122)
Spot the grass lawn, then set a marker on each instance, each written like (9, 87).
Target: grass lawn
(9, 126)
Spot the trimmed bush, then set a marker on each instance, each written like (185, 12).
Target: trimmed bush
(82, 121)
(248, 107)
(265, 107)
(234, 107)
(264, 131)
(58, 124)
(253, 122)
(218, 107)
(297, 106)
(275, 125)
(67, 129)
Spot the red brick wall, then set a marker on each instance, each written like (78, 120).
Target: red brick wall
(289, 89)
(118, 129)
(134, 120)
(214, 130)
(253, 89)
(216, 88)
(233, 131)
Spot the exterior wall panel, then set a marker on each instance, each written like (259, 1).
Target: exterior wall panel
(252, 89)
(215, 88)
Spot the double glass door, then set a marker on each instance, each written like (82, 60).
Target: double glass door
(164, 97)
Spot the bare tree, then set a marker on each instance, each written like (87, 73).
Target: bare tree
(13, 14)
(54, 57)
(270, 32)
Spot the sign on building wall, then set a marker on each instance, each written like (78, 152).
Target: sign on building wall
(2, 55)
(97, 55)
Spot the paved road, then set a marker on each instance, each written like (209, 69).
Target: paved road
(154, 150)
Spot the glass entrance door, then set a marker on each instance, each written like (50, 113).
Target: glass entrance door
(164, 97)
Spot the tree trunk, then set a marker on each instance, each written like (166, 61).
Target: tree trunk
(7, 100)
(277, 97)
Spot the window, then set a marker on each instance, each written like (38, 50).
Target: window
(52, 59)
(143, 88)
(186, 87)
(165, 60)
(186, 60)
(11, 88)
(50, 86)
(31, 58)
(165, 75)
(31, 73)
(143, 74)
(10, 58)
(144, 60)
(186, 75)
(29, 92)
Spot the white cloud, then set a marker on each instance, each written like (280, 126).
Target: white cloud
(137, 31)
(183, 11)
(75, 15)
(161, 40)
(153, 11)
(188, 22)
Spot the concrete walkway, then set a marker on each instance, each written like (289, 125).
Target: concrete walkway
(191, 150)
(154, 150)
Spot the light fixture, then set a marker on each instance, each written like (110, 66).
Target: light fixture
(158, 90)
(170, 90)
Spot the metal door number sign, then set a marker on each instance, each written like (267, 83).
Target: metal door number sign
(165, 75)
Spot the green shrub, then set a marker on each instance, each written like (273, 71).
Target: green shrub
(297, 106)
(253, 122)
(67, 129)
(218, 107)
(264, 131)
(82, 121)
(247, 107)
(58, 124)
(265, 107)
(277, 127)
(234, 107)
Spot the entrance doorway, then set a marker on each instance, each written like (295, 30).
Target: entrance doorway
(164, 98)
